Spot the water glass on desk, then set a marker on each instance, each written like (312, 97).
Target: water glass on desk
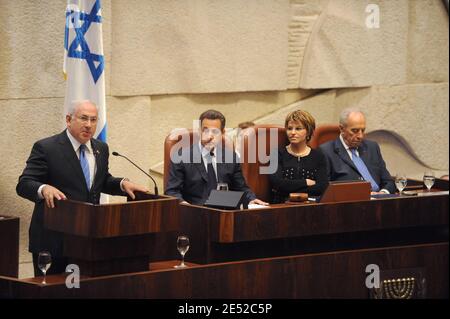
(400, 182)
(183, 247)
(44, 263)
(428, 179)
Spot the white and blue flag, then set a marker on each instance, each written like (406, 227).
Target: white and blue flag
(84, 62)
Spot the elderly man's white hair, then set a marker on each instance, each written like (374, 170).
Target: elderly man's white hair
(346, 112)
(74, 104)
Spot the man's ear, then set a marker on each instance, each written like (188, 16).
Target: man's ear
(341, 128)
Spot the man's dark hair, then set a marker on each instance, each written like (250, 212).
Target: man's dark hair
(213, 115)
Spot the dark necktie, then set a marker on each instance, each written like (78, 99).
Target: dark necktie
(85, 165)
(362, 169)
(212, 179)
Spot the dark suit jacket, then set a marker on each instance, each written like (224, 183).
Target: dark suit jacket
(53, 161)
(340, 167)
(188, 178)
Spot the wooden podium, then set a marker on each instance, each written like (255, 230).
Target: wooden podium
(113, 238)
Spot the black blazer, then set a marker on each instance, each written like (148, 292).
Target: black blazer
(340, 166)
(293, 171)
(53, 161)
(188, 177)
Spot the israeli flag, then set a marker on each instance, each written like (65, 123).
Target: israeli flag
(84, 62)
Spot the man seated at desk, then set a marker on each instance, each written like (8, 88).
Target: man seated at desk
(192, 177)
(351, 157)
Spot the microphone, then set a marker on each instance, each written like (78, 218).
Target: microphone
(117, 154)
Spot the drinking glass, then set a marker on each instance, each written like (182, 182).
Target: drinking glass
(183, 247)
(400, 182)
(44, 263)
(222, 186)
(428, 179)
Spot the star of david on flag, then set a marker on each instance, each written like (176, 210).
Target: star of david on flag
(83, 59)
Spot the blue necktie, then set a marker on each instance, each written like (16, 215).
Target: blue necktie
(85, 165)
(362, 169)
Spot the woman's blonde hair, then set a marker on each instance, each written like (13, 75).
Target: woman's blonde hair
(305, 119)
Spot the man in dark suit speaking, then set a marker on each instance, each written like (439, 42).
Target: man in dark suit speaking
(197, 170)
(70, 165)
(351, 157)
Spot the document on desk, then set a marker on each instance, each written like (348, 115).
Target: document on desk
(433, 193)
(256, 206)
(409, 193)
(377, 196)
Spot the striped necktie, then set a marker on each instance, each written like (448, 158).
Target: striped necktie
(362, 169)
(85, 165)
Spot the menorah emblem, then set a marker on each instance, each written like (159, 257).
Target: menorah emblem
(401, 288)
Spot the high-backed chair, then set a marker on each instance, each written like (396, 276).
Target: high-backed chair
(185, 138)
(251, 166)
(324, 133)
(256, 141)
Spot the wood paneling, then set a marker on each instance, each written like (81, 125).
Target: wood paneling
(116, 238)
(112, 220)
(327, 275)
(219, 235)
(9, 246)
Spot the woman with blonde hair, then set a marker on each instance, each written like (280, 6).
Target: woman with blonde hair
(301, 169)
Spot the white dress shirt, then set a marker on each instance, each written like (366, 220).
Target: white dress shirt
(348, 148)
(357, 153)
(205, 156)
(89, 153)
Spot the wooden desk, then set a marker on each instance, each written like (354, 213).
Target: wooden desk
(325, 275)
(9, 246)
(220, 235)
(302, 251)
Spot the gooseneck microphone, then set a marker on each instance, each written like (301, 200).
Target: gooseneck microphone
(117, 154)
